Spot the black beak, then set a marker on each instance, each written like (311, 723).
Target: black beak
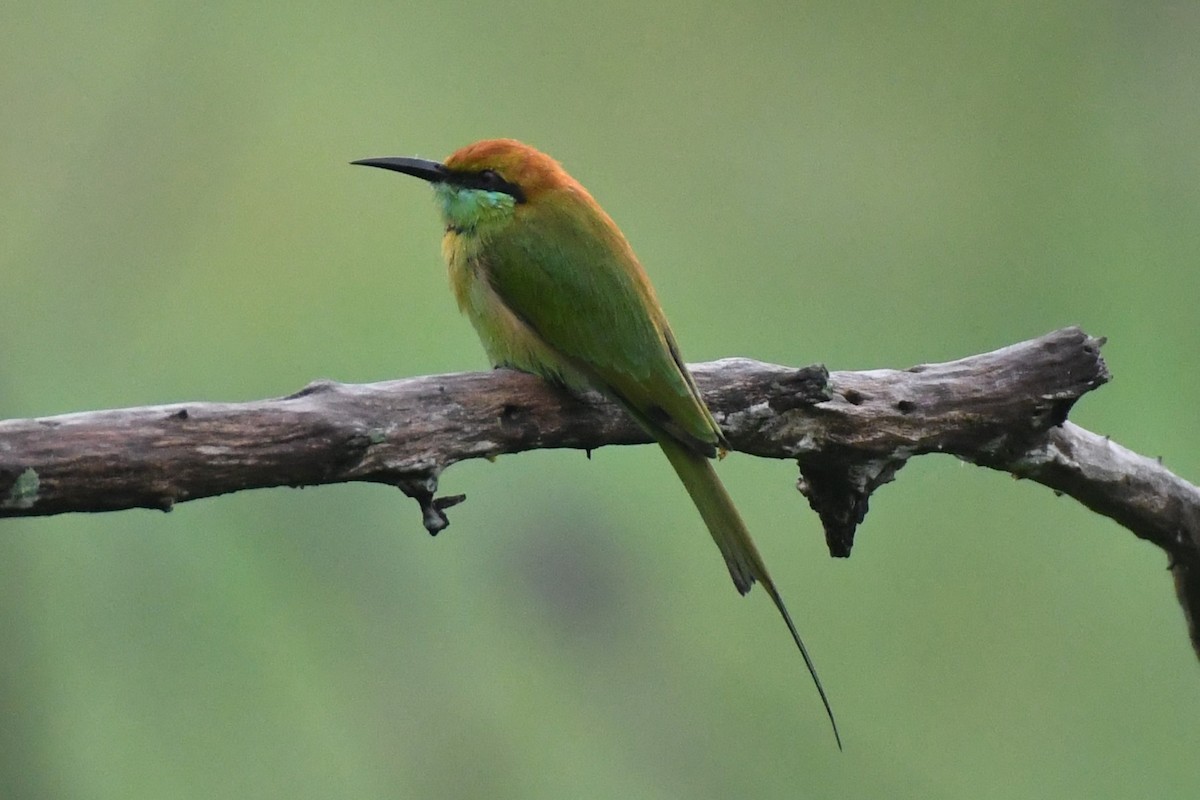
(430, 171)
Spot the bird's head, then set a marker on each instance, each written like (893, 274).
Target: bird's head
(485, 184)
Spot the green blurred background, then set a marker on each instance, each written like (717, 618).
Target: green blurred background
(873, 185)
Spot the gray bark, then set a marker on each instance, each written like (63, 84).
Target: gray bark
(849, 432)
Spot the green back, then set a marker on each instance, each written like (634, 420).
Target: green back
(570, 274)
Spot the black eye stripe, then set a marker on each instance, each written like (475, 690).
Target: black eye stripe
(491, 181)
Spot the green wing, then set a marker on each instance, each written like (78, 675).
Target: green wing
(571, 276)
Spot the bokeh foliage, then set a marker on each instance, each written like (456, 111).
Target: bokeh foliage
(860, 184)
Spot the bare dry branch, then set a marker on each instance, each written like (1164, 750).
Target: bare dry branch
(849, 432)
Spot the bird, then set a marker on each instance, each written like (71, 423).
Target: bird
(552, 287)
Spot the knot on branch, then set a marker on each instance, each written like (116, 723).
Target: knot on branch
(988, 409)
(423, 489)
(839, 490)
(800, 388)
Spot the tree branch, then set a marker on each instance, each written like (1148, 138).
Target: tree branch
(850, 432)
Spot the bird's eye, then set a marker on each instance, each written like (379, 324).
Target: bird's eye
(491, 179)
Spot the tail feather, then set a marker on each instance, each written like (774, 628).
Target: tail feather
(733, 539)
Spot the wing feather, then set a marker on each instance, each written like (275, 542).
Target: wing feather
(573, 278)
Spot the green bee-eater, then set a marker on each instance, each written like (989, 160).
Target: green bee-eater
(553, 288)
